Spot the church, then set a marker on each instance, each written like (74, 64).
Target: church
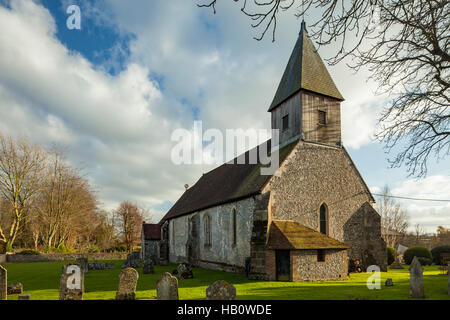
(303, 223)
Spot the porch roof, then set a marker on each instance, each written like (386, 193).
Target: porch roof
(286, 234)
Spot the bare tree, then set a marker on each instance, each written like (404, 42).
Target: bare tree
(129, 219)
(405, 46)
(67, 205)
(394, 221)
(21, 165)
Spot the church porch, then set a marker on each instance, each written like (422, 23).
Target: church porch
(297, 253)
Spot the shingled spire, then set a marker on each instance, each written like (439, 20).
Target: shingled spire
(305, 70)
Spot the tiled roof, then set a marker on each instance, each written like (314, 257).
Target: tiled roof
(151, 231)
(305, 70)
(290, 235)
(229, 182)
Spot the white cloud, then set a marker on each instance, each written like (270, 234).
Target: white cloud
(119, 127)
(116, 127)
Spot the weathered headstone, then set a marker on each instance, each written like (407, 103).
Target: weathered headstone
(130, 264)
(389, 282)
(133, 261)
(221, 290)
(24, 297)
(185, 271)
(15, 288)
(83, 262)
(416, 289)
(167, 287)
(3, 283)
(148, 267)
(101, 265)
(71, 283)
(127, 284)
(396, 264)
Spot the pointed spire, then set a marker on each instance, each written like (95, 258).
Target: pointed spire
(305, 70)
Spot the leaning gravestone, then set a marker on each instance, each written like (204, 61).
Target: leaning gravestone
(3, 284)
(416, 289)
(148, 267)
(83, 262)
(16, 288)
(221, 290)
(167, 287)
(72, 282)
(24, 297)
(127, 284)
(185, 271)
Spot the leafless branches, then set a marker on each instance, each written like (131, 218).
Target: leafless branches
(129, 218)
(405, 46)
(21, 165)
(394, 221)
(265, 19)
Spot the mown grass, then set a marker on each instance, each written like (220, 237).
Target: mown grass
(41, 280)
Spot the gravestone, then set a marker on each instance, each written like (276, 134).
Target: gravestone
(185, 271)
(416, 289)
(389, 282)
(3, 283)
(101, 266)
(127, 284)
(24, 297)
(221, 290)
(167, 287)
(71, 285)
(16, 288)
(133, 261)
(148, 267)
(396, 264)
(83, 262)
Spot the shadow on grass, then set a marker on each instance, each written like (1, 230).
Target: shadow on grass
(41, 280)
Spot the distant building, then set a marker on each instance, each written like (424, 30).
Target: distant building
(304, 222)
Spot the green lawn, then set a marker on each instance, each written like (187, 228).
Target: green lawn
(41, 280)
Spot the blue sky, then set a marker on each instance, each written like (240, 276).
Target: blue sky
(113, 92)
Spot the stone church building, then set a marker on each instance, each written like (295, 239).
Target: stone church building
(303, 223)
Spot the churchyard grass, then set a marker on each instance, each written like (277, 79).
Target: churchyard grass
(41, 280)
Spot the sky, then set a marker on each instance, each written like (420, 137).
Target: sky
(112, 94)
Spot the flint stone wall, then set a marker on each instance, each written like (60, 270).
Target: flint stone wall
(222, 254)
(44, 257)
(306, 268)
(315, 174)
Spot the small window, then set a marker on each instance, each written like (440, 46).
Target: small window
(320, 255)
(173, 232)
(234, 221)
(323, 219)
(207, 222)
(285, 122)
(322, 117)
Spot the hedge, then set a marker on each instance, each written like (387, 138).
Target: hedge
(437, 251)
(409, 254)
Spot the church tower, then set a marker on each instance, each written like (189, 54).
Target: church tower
(307, 103)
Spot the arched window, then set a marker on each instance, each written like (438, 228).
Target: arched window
(173, 232)
(323, 219)
(234, 226)
(207, 222)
